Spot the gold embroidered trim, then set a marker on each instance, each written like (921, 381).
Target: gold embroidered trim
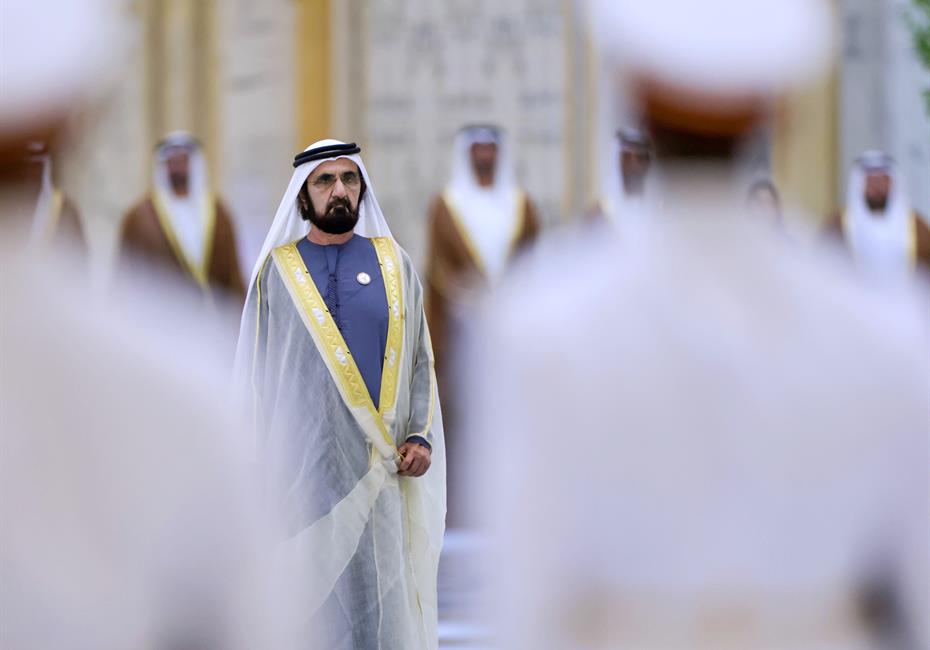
(463, 233)
(519, 224)
(393, 289)
(326, 335)
(200, 272)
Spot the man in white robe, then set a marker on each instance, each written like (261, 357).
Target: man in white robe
(721, 444)
(335, 357)
(477, 227)
(181, 225)
(884, 234)
(624, 181)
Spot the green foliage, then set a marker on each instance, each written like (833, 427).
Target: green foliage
(919, 21)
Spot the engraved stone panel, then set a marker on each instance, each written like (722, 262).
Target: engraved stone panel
(435, 66)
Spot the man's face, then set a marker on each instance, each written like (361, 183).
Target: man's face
(877, 188)
(484, 158)
(633, 168)
(335, 189)
(178, 164)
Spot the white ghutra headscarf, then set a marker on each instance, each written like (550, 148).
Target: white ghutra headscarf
(289, 225)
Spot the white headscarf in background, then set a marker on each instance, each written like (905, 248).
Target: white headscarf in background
(49, 202)
(490, 215)
(188, 215)
(615, 202)
(880, 242)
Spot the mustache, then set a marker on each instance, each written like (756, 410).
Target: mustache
(339, 204)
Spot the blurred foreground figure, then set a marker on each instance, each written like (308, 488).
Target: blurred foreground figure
(699, 440)
(335, 357)
(56, 217)
(125, 518)
(181, 225)
(476, 227)
(881, 229)
(624, 194)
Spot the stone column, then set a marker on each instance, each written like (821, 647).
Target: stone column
(257, 121)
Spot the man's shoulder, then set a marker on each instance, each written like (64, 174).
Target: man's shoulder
(143, 208)
(385, 243)
(286, 246)
(407, 267)
(141, 220)
(438, 205)
(223, 216)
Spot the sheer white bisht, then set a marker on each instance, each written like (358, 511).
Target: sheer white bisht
(361, 544)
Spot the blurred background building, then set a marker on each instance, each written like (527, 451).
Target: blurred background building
(257, 80)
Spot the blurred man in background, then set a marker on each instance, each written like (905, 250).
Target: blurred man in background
(334, 354)
(882, 231)
(624, 193)
(477, 226)
(698, 441)
(56, 217)
(181, 225)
